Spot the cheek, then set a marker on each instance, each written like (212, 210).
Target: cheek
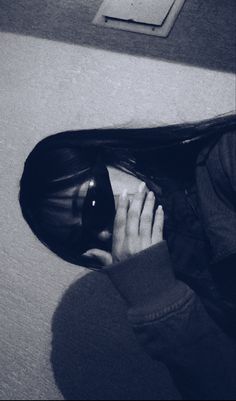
(59, 225)
(63, 210)
(121, 181)
(61, 218)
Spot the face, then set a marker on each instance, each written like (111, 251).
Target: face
(64, 215)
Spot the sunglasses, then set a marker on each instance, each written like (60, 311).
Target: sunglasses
(98, 213)
(99, 210)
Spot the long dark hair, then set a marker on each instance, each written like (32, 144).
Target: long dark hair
(70, 155)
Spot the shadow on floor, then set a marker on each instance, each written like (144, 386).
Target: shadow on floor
(204, 35)
(95, 355)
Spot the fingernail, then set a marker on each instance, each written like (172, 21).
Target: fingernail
(160, 208)
(88, 253)
(142, 186)
(151, 195)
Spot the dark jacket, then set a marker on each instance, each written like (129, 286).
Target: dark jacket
(216, 182)
(173, 326)
(177, 307)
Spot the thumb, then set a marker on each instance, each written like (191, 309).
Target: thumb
(104, 257)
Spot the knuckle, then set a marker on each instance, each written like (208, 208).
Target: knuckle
(159, 229)
(145, 243)
(119, 225)
(137, 197)
(120, 219)
(143, 230)
(133, 213)
(131, 231)
(147, 217)
(130, 249)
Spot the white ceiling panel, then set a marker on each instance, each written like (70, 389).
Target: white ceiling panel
(142, 11)
(150, 17)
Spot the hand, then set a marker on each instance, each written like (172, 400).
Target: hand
(136, 228)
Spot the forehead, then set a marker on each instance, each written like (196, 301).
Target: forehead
(119, 179)
(69, 192)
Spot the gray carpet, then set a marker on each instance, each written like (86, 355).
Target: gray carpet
(204, 35)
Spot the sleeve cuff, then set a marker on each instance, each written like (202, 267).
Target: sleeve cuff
(147, 279)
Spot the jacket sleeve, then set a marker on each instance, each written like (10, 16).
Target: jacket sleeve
(216, 179)
(172, 325)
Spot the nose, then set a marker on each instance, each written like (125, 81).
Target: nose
(104, 235)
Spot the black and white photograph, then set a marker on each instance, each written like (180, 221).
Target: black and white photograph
(117, 200)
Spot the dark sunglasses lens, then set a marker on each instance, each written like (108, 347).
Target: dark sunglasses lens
(99, 207)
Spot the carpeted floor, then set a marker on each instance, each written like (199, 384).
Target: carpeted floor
(204, 35)
(60, 330)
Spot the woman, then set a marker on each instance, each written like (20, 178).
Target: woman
(71, 197)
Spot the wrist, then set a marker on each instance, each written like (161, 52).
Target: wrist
(144, 277)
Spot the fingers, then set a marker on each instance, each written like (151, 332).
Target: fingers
(135, 211)
(146, 221)
(136, 225)
(120, 222)
(103, 257)
(158, 227)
